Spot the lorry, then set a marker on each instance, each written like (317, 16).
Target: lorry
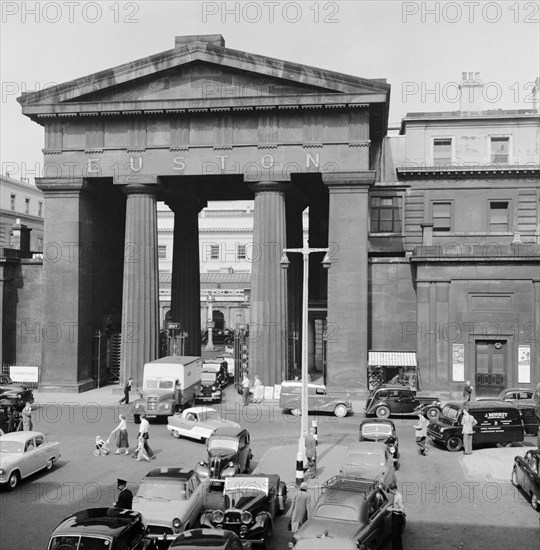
(170, 385)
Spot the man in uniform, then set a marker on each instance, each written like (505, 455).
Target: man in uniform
(125, 497)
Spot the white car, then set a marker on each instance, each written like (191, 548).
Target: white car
(23, 454)
(197, 423)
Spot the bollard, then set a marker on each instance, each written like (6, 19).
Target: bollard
(314, 426)
(299, 468)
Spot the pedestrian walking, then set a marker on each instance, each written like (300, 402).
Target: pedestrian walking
(258, 390)
(140, 450)
(421, 433)
(468, 422)
(301, 508)
(467, 391)
(398, 516)
(245, 388)
(125, 497)
(26, 414)
(144, 428)
(311, 452)
(122, 443)
(127, 389)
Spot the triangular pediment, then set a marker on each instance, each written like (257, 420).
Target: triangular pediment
(202, 71)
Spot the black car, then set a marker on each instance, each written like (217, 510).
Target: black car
(250, 504)
(228, 454)
(398, 400)
(101, 529)
(526, 474)
(10, 416)
(16, 394)
(382, 431)
(209, 539)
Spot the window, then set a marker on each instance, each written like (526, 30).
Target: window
(40, 209)
(162, 252)
(214, 252)
(385, 214)
(12, 202)
(498, 217)
(500, 150)
(27, 206)
(241, 252)
(442, 151)
(442, 216)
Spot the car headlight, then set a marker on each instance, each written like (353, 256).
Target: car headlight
(218, 516)
(213, 388)
(246, 517)
(176, 523)
(392, 449)
(2, 471)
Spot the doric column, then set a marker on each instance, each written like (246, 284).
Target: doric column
(186, 280)
(348, 278)
(268, 303)
(140, 320)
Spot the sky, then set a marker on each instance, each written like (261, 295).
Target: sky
(421, 48)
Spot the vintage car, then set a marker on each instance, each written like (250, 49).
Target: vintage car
(522, 398)
(170, 501)
(101, 529)
(352, 509)
(250, 504)
(319, 400)
(219, 368)
(15, 393)
(381, 431)
(23, 454)
(526, 474)
(209, 539)
(10, 416)
(214, 377)
(228, 454)
(369, 460)
(197, 423)
(397, 400)
(229, 359)
(325, 542)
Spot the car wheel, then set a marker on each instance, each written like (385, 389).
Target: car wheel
(454, 444)
(534, 501)
(340, 411)
(382, 412)
(175, 434)
(514, 478)
(49, 464)
(13, 480)
(432, 413)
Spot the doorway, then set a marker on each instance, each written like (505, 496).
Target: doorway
(490, 374)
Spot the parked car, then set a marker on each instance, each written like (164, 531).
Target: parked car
(381, 431)
(197, 423)
(351, 509)
(16, 394)
(498, 424)
(526, 474)
(170, 501)
(228, 454)
(101, 529)
(522, 398)
(319, 400)
(250, 504)
(219, 368)
(10, 416)
(326, 542)
(23, 454)
(397, 400)
(229, 359)
(209, 539)
(369, 460)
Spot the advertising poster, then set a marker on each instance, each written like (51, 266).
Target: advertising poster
(458, 362)
(524, 364)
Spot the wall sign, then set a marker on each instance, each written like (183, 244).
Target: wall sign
(524, 364)
(458, 362)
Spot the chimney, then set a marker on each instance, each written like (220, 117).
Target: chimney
(471, 93)
(21, 236)
(216, 40)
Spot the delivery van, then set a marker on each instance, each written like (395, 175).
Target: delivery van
(170, 385)
(498, 424)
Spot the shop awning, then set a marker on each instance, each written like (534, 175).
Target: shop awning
(392, 359)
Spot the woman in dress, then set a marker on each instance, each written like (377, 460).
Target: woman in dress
(122, 442)
(258, 390)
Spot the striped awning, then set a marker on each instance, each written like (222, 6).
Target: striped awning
(392, 359)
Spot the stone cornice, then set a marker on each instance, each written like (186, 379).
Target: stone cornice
(466, 172)
(349, 180)
(66, 187)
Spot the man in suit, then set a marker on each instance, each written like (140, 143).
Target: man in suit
(127, 389)
(125, 497)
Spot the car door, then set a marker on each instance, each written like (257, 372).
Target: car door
(407, 402)
(29, 460)
(376, 521)
(529, 466)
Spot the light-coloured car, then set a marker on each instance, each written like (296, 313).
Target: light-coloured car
(23, 454)
(170, 501)
(369, 460)
(197, 423)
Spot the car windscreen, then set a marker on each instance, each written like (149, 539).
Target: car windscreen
(208, 377)
(241, 498)
(79, 543)
(365, 459)
(333, 511)
(167, 490)
(158, 384)
(451, 413)
(376, 430)
(11, 446)
(208, 415)
(219, 443)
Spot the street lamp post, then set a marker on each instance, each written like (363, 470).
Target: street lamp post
(305, 251)
(183, 335)
(210, 323)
